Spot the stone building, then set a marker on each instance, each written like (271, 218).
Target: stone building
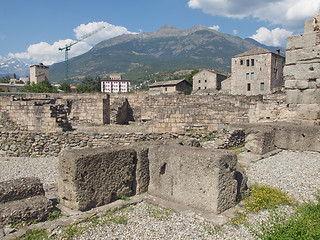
(302, 69)
(39, 73)
(172, 86)
(208, 79)
(257, 71)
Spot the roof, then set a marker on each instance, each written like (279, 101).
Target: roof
(255, 51)
(115, 80)
(211, 71)
(167, 83)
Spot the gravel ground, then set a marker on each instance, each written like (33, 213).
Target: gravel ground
(46, 169)
(295, 172)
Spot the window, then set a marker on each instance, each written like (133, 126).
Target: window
(165, 89)
(248, 63)
(199, 88)
(252, 75)
(241, 62)
(262, 86)
(248, 87)
(205, 80)
(252, 62)
(199, 81)
(247, 76)
(205, 87)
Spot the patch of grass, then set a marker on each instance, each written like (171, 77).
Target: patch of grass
(265, 197)
(72, 230)
(303, 224)
(206, 139)
(238, 149)
(34, 235)
(54, 215)
(212, 230)
(160, 213)
(123, 197)
(239, 218)
(259, 198)
(116, 216)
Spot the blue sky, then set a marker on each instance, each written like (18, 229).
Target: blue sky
(34, 30)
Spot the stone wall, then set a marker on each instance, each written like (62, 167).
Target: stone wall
(302, 69)
(52, 112)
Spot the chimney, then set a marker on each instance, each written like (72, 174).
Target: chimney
(278, 51)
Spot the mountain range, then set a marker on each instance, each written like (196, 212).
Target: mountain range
(145, 56)
(138, 56)
(10, 66)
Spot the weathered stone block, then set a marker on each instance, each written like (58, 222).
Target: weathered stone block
(93, 177)
(292, 96)
(303, 40)
(260, 140)
(200, 178)
(308, 96)
(21, 188)
(300, 138)
(290, 84)
(33, 208)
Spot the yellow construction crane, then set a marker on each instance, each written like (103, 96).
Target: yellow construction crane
(68, 47)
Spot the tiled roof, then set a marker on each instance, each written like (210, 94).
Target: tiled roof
(166, 83)
(255, 51)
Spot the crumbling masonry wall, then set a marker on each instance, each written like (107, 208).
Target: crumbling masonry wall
(302, 69)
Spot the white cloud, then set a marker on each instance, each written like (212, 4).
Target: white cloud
(276, 37)
(109, 31)
(290, 13)
(215, 27)
(49, 53)
(235, 32)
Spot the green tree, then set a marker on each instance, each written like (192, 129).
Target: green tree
(85, 88)
(65, 87)
(5, 79)
(14, 76)
(189, 78)
(41, 87)
(95, 83)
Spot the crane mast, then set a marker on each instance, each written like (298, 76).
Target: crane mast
(67, 48)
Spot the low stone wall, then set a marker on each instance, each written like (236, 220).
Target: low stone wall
(40, 144)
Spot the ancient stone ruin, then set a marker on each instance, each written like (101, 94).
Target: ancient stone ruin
(27, 197)
(196, 177)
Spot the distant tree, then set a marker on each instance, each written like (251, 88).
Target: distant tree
(95, 83)
(41, 87)
(85, 88)
(65, 87)
(14, 76)
(143, 87)
(5, 79)
(189, 78)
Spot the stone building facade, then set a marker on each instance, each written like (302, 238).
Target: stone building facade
(302, 69)
(208, 79)
(39, 73)
(257, 71)
(173, 86)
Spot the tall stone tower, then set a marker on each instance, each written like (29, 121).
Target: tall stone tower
(39, 73)
(302, 68)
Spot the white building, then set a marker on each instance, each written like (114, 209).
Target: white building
(115, 86)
